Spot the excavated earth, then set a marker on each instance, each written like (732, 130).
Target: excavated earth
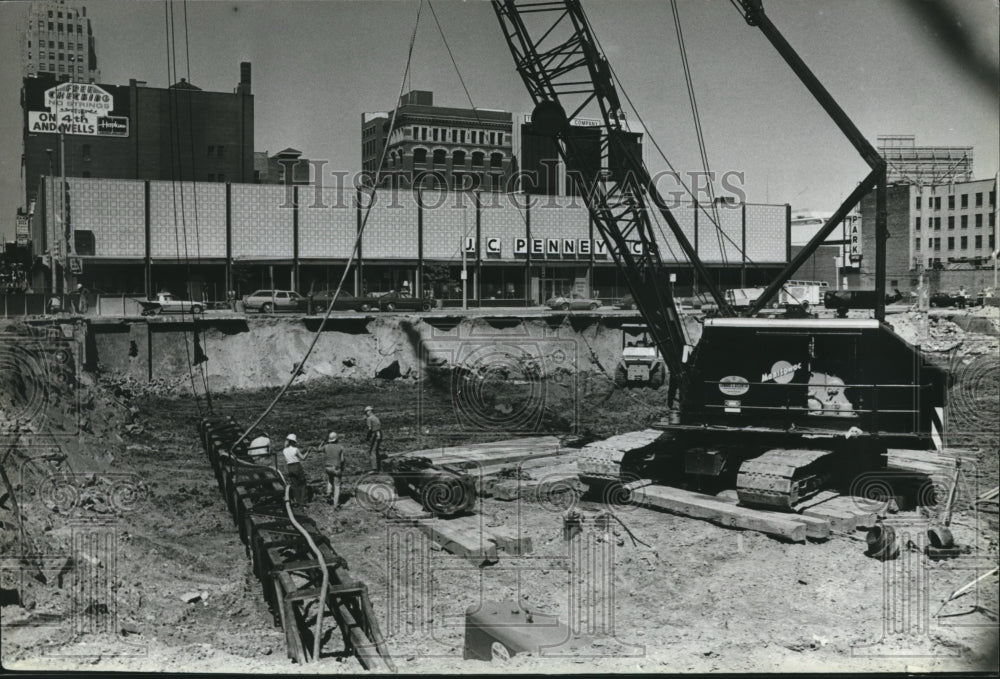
(116, 486)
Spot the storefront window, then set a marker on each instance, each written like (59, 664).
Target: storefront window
(503, 282)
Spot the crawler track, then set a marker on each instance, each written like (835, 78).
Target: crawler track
(782, 476)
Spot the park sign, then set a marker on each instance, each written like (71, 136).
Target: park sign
(78, 108)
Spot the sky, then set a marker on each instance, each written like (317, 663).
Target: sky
(893, 65)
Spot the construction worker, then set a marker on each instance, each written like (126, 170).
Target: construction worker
(374, 437)
(294, 457)
(259, 449)
(334, 452)
(961, 297)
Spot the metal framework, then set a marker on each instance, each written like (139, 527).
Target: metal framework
(753, 13)
(565, 72)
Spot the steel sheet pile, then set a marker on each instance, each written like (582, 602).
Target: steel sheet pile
(286, 562)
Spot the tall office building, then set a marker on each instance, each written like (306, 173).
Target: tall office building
(57, 41)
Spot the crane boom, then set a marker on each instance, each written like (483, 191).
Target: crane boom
(565, 72)
(778, 408)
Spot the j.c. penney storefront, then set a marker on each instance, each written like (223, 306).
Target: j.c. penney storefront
(201, 239)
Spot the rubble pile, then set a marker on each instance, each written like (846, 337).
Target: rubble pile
(940, 335)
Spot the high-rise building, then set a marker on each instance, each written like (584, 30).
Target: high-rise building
(58, 41)
(924, 165)
(439, 147)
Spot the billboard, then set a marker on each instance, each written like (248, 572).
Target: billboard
(76, 108)
(21, 230)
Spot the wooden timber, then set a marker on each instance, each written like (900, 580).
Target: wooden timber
(817, 528)
(462, 536)
(698, 506)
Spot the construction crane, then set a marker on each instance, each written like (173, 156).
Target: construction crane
(778, 408)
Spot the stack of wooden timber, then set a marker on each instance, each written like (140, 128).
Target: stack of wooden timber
(466, 536)
(815, 517)
(493, 456)
(484, 461)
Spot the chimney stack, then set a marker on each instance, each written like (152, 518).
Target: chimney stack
(244, 87)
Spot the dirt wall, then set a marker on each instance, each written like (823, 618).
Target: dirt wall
(254, 353)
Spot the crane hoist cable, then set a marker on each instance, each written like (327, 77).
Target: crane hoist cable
(699, 133)
(324, 587)
(199, 341)
(175, 166)
(663, 156)
(697, 206)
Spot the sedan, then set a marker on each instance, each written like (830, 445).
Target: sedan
(627, 302)
(266, 301)
(573, 300)
(944, 299)
(404, 301)
(345, 302)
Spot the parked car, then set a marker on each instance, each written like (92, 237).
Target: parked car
(946, 299)
(345, 302)
(266, 301)
(574, 300)
(167, 303)
(404, 301)
(627, 302)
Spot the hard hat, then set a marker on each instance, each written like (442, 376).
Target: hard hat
(291, 437)
(332, 436)
(368, 409)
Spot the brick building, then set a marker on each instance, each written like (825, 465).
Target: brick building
(177, 133)
(543, 172)
(439, 146)
(931, 227)
(272, 169)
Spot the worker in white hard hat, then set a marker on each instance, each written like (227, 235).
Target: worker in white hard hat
(294, 457)
(334, 452)
(259, 449)
(374, 438)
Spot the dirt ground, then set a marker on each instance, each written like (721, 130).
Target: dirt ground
(694, 598)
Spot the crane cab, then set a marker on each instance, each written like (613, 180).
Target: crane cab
(819, 375)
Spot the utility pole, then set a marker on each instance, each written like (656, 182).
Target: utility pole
(465, 272)
(465, 277)
(65, 249)
(996, 231)
(52, 245)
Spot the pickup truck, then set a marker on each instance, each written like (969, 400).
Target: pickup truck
(168, 304)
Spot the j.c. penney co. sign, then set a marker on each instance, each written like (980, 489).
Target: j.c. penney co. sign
(549, 247)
